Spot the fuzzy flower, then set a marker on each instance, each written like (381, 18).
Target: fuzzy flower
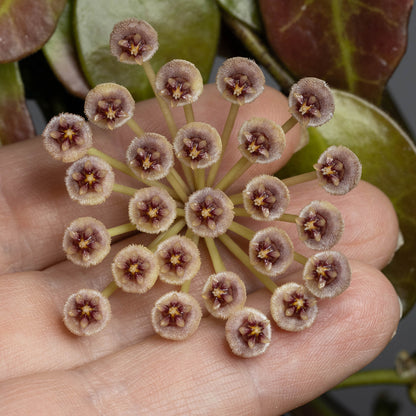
(224, 293)
(150, 156)
(198, 145)
(320, 225)
(89, 180)
(240, 80)
(135, 269)
(338, 170)
(179, 82)
(261, 140)
(176, 316)
(179, 260)
(152, 210)
(109, 105)
(67, 137)
(311, 102)
(86, 241)
(86, 312)
(209, 212)
(293, 307)
(133, 41)
(266, 198)
(248, 332)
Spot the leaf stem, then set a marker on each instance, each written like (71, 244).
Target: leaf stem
(371, 377)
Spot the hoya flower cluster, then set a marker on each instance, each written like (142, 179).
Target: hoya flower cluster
(182, 202)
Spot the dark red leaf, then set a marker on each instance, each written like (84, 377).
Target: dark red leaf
(353, 45)
(25, 25)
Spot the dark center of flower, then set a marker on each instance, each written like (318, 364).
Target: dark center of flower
(86, 311)
(239, 85)
(263, 199)
(151, 210)
(178, 88)
(174, 314)
(252, 332)
(324, 273)
(133, 45)
(207, 212)
(267, 252)
(257, 143)
(221, 293)
(134, 269)
(66, 135)
(85, 241)
(89, 178)
(110, 109)
(314, 226)
(195, 148)
(296, 305)
(333, 171)
(308, 105)
(148, 159)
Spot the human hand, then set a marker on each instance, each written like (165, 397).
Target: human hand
(126, 369)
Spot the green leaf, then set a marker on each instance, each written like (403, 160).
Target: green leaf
(62, 56)
(25, 25)
(187, 30)
(388, 157)
(246, 11)
(353, 45)
(15, 121)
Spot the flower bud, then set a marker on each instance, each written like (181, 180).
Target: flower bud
(86, 241)
(266, 198)
(198, 145)
(320, 225)
(135, 269)
(67, 137)
(327, 274)
(261, 140)
(248, 332)
(86, 312)
(338, 170)
(179, 82)
(209, 212)
(224, 293)
(271, 251)
(152, 210)
(179, 260)
(293, 307)
(109, 105)
(89, 180)
(240, 80)
(176, 316)
(311, 102)
(133, 41)
(150, 156)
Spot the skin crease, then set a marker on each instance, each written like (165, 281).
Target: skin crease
(126, 369)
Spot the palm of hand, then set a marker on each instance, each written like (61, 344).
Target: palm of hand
(126, 369)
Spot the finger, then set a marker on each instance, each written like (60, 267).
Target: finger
(35, 207)
(372, 241)
(157, 376)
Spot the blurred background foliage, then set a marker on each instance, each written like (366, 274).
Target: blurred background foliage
(53, 51)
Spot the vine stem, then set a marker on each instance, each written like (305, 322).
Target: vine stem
(371, 377)
(259, 51)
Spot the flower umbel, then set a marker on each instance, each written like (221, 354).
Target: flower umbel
(184, 206)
